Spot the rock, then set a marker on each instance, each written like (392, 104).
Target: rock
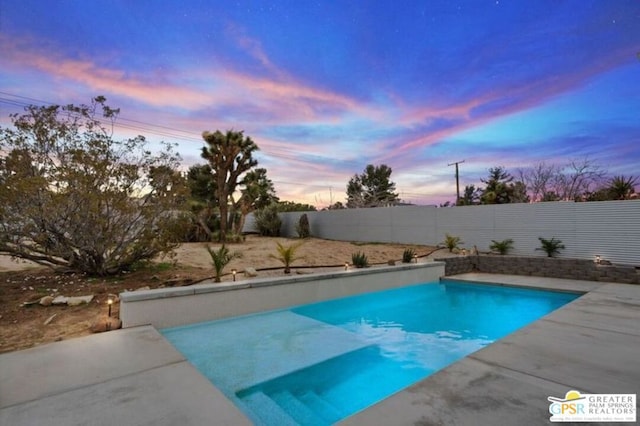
(79, 300)
(48, 321)
(105, 323)
(391, 262)
(250, 272)
(46, 300)
(146, 287)
(60, 300)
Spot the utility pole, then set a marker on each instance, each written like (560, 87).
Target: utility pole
(457, 181)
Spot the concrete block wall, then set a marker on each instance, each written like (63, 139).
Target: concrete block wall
(579, 269)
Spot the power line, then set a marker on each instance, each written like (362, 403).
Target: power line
(168, 132)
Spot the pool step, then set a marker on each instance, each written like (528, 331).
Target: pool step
(321, 406)
(297, 409)
(269, 412)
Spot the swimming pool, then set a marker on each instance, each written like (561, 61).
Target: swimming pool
(318, 363)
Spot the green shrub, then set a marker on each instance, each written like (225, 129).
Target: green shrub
(302, 228)
(503, 246)
(451, 242)
(268, 222)
(359, 260)
(408, 255)
(551, 247)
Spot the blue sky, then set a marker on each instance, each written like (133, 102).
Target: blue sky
(327, 87)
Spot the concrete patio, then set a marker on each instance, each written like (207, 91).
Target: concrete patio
(135, 377)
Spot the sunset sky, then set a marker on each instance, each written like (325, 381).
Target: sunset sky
(326, 87)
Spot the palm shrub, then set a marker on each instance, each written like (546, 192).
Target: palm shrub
(359, 260)
(221, 258)
(302, 228)
(286, 255)
(501, 247)
(451, 242)
(551, 247)
(408, 255)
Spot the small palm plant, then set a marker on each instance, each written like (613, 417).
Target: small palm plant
(451, 242)
(503, 246)
(221, 258)
(287, 255)
(551, 247)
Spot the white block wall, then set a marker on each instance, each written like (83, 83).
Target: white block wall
(610, 229)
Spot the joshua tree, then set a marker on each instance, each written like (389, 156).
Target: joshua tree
(221, 258)
(287, 255)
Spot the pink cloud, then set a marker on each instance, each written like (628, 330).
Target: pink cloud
(102, 80)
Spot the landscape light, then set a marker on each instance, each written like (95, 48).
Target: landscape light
(415, 257)
(597, 261)
(234, 272)
(109, 303)
(346, 266)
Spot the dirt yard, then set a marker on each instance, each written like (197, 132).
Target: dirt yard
(23, 325)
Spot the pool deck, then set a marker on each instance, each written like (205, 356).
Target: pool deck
(135, 377)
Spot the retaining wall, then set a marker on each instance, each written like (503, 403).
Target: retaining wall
(578, 269)
(169, 307)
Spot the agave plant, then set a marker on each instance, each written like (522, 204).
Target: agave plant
(451, 242)
(359, 260)
(551, 247)
(503, 246)
(286, 255)
(221, 258)
(408, 255)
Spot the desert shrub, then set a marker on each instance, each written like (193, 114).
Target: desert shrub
(268, 222)
(220, 258)
(408, 255)
(503, 246)
(73, 198)
(359, 260)
(551, 247)
(302, 228)
(451, 242)
(286, 255)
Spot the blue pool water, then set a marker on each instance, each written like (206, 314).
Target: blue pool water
(316, 364)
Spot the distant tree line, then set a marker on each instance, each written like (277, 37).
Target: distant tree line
(578, 181)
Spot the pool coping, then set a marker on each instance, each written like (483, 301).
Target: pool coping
(134, 376)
